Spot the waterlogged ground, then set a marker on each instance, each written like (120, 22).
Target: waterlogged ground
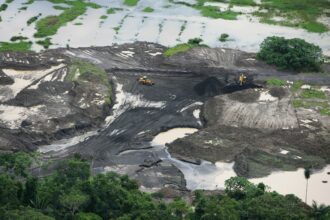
(211, 176)
(169, 24)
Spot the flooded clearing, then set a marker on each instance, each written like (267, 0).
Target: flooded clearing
(169, 24)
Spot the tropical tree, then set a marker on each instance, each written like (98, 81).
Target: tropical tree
(179, 208)
(240, 188)
(307, 174)
(320, 212)
(73, 200)
(292, 54)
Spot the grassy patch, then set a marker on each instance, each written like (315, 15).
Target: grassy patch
(59, 7)
(322, 107)
(103, 17)
(148, 10)
(46, 43)
(113, 10)
(312, 93)
(325, 111)
(214, 12)
(243, 2)
(81, 70)
(49, 25)
(22, 8)
(297, 85)
(296, 13)
(300, 103)
(192, 43)
(33, 19)
(84, 68)
(275, 82)
(16, 46)
(18, 38)
(29, 2)
(177, 49)
(313, 26)
(131, 2)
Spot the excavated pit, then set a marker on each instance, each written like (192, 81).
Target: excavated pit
(249, 125)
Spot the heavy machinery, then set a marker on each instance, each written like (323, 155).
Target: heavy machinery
(242, 79)
(145, 81)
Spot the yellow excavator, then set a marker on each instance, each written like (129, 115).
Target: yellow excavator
(242, 79)
(145, 81)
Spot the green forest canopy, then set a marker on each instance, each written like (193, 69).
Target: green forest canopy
(71, 192)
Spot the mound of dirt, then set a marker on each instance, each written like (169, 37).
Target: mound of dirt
(4, 79)
(278, 92)
(244, 109)
(245, 96)
(38, 104)
(210, 87)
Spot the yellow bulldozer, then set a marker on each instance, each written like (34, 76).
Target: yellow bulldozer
(242, 79)
(145, 81)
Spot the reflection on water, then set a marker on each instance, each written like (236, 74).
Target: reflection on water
(294, 182)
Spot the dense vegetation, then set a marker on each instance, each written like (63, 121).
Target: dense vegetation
(291, 54)
(72, 193)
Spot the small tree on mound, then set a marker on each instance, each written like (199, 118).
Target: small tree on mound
(195, 41)
(290, 54)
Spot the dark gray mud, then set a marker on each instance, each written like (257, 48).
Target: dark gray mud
(120, 133)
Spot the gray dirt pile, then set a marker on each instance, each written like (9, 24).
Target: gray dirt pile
(38, 104)
(261, 132)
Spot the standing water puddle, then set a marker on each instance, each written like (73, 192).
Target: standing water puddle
(204, 176)
(294, 182)
(211, 176)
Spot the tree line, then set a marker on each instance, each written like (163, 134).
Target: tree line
(71, 192)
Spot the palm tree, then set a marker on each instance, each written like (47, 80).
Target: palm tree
(307, 174)
(319, 212)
